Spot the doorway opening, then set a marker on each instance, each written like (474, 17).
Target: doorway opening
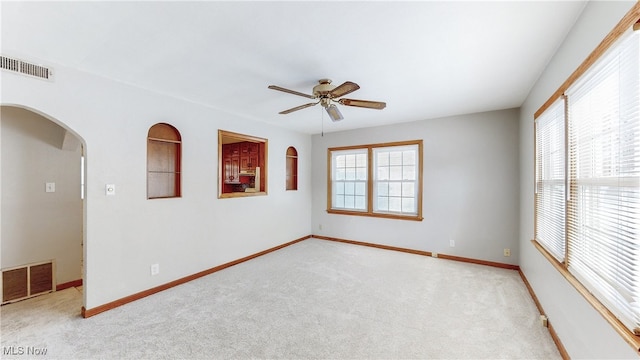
(43, 214)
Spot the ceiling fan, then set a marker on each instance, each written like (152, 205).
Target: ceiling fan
(328, 94)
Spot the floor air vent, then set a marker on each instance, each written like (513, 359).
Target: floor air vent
(25, 68)
(26, 281)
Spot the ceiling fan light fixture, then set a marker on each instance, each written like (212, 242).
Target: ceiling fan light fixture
(334, 112)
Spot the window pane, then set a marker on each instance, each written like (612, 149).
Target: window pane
(340, 174)
(361, 188)
(350, 174)
(361, 160)
(339, 201)
(383, 173)
(395, 204)
(383, 203)
(361, 174)
(395, 173)
(550, 196)
(360, 203)
(408, 189)
(395, 158)
(395, 189)
(383, 159)
(408, 173)
(349, 202)
(339, 188)
(340, 161)
(383, 188)
(349, 188)
(408, 205)
(408, 157)
(350, 160)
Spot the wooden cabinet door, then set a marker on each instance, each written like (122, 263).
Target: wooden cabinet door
(248, 156)
(253, 161)
(248, 162)
(232, 169)
(235, 169)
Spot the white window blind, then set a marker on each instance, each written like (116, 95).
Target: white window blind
(603, 220)
(550, 196)
(349, 179)
(395, 187)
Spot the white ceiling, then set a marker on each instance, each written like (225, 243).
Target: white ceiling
(424, 59)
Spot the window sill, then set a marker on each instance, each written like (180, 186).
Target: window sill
(627, 335)
(376, 215)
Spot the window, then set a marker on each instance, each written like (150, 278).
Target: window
(395, 187)
(349, 179)
(382, 180)
(292, 169)
(163, 162)
(550, 196)
(242, 163)
(595, 234)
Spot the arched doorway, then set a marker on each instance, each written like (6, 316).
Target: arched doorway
(43, 209)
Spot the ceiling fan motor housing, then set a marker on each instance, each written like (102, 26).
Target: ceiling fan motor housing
(323, 88)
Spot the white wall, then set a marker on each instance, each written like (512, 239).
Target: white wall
(470, 194)
(126, 233)
(582, 330)
(39, 226)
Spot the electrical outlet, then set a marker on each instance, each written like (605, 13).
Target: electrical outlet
(452, 243)
(507, 252)
(155, 269)
(50, 187)
(544, 321)
(434, 254)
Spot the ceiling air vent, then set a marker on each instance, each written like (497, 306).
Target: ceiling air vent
(25, 68)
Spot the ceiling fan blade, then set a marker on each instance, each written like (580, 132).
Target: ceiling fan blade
(346, 88)
(274, 87)
(298, 108)
(378, 105)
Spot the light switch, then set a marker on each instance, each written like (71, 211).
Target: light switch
(110, 189)
(50, 187)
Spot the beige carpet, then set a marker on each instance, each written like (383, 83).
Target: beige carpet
(314, 299)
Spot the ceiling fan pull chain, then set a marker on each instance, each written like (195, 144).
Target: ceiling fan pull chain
(322, 123)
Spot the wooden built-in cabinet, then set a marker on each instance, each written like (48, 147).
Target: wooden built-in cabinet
(242, 163)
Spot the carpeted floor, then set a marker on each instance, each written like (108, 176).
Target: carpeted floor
(315, 299)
